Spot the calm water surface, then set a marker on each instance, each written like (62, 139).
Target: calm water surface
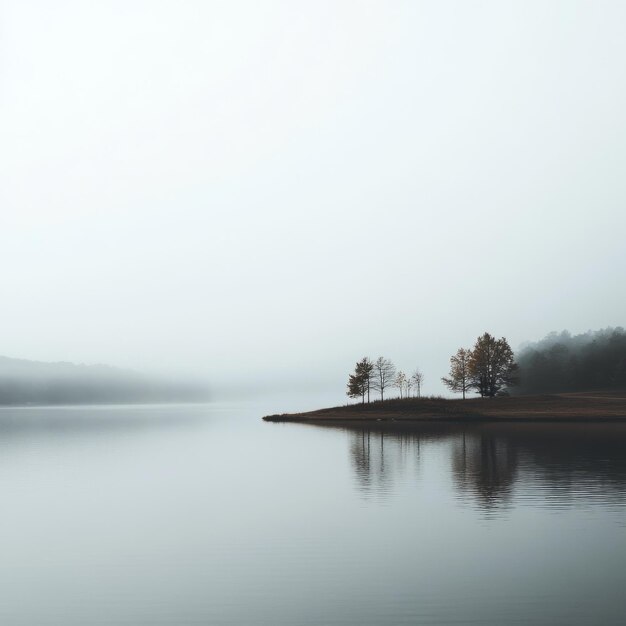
(206, 515)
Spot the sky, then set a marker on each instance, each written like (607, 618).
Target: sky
(261, 193)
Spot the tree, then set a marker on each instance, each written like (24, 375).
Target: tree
(384, 372)
(355, 387)
(418, 379)
(400, 382)
(491, 365)
(459, 379)
(359, 383)
(365, 368)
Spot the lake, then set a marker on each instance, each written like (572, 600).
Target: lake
(207, 515)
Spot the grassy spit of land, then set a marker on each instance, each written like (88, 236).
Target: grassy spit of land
(588, 406)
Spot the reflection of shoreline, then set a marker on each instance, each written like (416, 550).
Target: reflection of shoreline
(60, 422)
(488, 462)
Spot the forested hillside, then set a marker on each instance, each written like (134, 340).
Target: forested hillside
(33, 382)
(564, 362)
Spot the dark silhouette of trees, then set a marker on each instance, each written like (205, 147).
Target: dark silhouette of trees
(355, 387)
(492, 366)
(561, 362)
(459, 379)
(365, 368)
(360, 382)
(384, 372)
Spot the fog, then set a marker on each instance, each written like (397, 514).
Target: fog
(259, 194)
(562, 362)
(30, 382)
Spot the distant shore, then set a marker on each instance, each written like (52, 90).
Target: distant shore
(592, 406)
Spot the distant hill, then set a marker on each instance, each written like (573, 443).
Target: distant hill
(35, 382)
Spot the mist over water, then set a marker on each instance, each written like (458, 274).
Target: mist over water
(237, 201)
(205, 514)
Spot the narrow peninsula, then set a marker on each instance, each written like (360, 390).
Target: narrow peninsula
(562, 378)
(564, 407)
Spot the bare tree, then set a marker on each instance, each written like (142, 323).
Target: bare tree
(418, 379)
(399, 382)
(384, 372)
(459, 379)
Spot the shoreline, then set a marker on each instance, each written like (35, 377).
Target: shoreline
(601, 406)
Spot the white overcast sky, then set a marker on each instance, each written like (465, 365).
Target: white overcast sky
(263, 192)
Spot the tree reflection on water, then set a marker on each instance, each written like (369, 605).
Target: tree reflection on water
(493, 463)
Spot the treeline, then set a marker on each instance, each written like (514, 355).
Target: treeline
(563, 362)
(559, 363)
(380, 376)
(488, 368)
(31, 382)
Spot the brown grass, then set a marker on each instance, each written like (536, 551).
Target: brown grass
(588, 406)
